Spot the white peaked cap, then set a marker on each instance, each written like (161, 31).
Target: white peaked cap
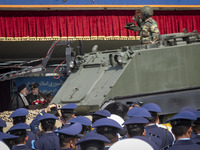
(117, 118)
(131, 144)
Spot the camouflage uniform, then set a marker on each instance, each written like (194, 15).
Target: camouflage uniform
(149, 31)
(30, 97)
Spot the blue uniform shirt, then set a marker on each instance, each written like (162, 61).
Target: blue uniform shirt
(184, 145)
(21, 147)
(48, 141)
(165, 136)
(35, 123)
(196, 139)
(31, 137)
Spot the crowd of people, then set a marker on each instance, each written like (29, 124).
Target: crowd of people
(140, 130)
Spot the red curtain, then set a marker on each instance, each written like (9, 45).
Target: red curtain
(89, 23)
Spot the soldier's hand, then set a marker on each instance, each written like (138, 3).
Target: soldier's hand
(59, 111)
(48, 109)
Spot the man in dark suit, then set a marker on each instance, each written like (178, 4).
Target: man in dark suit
(20, 101)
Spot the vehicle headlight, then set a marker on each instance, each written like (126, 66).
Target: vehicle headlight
(71, 64)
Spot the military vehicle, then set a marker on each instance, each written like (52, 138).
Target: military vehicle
(166, 73)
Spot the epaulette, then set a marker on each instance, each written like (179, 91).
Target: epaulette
(151, 134)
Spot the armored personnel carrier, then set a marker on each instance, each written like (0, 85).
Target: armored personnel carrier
(167, 73)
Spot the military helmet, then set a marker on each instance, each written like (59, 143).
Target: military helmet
(146, 11)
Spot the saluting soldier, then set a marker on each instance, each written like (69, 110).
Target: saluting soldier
(35, 93)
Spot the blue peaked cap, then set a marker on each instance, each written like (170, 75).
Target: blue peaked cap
(19, 126)
(136, 120)
(106, 122)
(73, 130)
(104, 113)
(188, 108)
(47, 116)
(19, 112)
(91, 136)
(138, 112)
(69, 106)
(152, 107)
(4, 136)
(188, 115)
(82, 120)
(197, 113)
(2, 123)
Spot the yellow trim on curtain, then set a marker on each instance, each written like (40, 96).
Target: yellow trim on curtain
(69, 38)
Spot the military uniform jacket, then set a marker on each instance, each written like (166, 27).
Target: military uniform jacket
(31, 137)
(35, 123)
(149, 31)
(31, 97)
(165, 136)
(184, 145)
(21, 147)
(48, 141)
(196, 139)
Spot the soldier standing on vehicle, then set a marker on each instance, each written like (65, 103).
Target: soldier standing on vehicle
(147, 26)
(149, 29)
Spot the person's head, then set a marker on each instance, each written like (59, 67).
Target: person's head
(196, 123)
(48, 122)
(188, 108)
(19, 130)
(86, 123)
(135, 126)
(108, 128)
(49, 97)
(181, 127)
(23, 138)
(69, 136)
(67, 111)
(34, 88)
(138, 112)
(93, 141)
(181, 124)
(153, 109)
(22, 90)
(19, 115)
(100, 114)
(146, 12)
(8, 139)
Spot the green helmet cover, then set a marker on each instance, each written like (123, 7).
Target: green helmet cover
(147, 10)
